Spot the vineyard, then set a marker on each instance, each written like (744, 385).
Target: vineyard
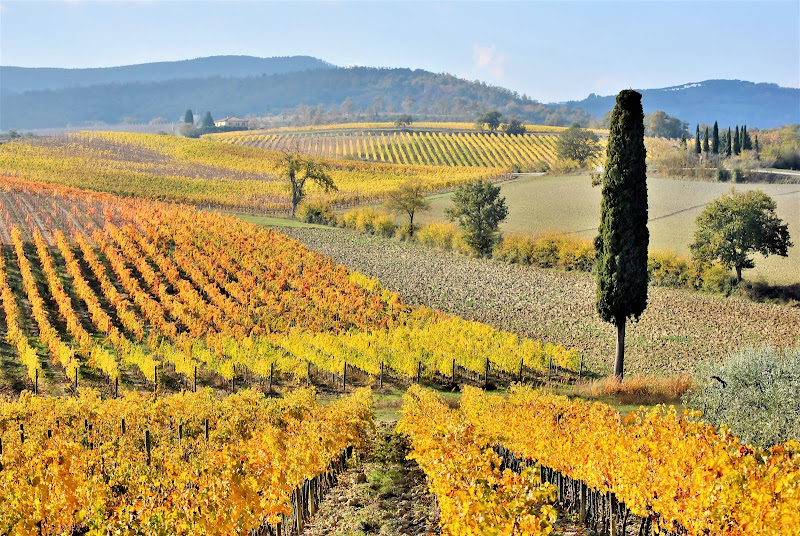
(139, 287)
(206, 173)
(438, 146)
(653, 471)
(190, 463)
(455, 149)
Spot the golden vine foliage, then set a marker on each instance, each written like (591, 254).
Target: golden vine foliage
(205, 172)
(473, 494)
(77, 470)
(205, 289)
(684, 471)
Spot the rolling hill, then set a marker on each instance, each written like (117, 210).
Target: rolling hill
(21, 79)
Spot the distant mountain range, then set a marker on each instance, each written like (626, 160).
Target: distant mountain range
(309, 90)
(22, 79)
(729, 102)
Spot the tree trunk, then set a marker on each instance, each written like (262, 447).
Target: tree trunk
(738, 274)
(411, 225)
(619, 361)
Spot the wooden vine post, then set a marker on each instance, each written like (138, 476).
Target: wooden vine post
(116, 387)
(380, 381)
(344, 377)
(271, 375)
(453, 378)
(206, 425)
(308, 373)
(194, 385)
(486, 375)
(521, 364)
(419, 372)
(147, 445)
(36, 383)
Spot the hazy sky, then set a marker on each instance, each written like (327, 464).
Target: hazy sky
(551, 51)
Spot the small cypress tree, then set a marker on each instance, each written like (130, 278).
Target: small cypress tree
(737, 141)
(208, 121)
(728, 148)
(705, 142)
(188, 117)
(755, 146)
(715, 139)
(747, 143)
(697, 140)
(621, 245)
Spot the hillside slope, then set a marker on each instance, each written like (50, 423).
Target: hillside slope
(22, 79)
(356, 93)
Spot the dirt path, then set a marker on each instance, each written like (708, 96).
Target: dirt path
(381, 493)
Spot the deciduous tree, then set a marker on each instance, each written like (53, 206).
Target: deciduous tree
(621, 245)
(577, 144)
(490, 120)
(732, 227)
(514, 126)
(298, 170)
(409, 199)
(479, 209)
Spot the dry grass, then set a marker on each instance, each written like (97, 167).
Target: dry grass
(637, 389)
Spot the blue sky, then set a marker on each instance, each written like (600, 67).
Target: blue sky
(551, 51)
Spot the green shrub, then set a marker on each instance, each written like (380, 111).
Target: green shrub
(737, 175)
(756, 393)
(318, 212)
(722, 174)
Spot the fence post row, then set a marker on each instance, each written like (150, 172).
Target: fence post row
(601, 511)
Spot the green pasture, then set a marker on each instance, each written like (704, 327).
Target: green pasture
(570, 204)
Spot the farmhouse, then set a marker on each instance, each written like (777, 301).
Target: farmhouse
(231, 121)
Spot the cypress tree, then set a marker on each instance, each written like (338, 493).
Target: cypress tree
(755, 145)
(188, 117)
(705, 142)
(737, 141)
(715, 139)
(728, 148)
(621, 245)
(697, 140)
(747, 143)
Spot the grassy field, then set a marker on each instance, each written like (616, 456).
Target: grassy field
(570, 204)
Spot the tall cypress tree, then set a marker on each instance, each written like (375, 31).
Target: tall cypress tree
(705, 142)
(728, 148)
(621, 245)
(755, 146)
(747, 143)
(697, 140)
(188, 117)
(737, 141)
(715, 139)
